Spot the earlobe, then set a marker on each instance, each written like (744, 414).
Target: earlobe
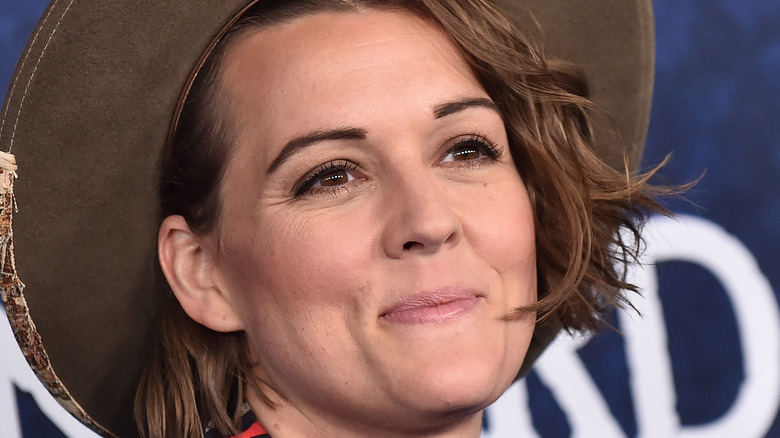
(188, 265)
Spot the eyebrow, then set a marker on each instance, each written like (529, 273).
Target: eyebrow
(447, 108)
(311, 138)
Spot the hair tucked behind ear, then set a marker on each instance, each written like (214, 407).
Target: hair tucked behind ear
(189, 382)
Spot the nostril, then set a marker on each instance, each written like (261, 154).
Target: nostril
(411, 245)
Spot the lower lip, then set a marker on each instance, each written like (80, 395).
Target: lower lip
(433, 314)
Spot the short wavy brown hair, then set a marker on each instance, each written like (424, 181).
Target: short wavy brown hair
(199, 377)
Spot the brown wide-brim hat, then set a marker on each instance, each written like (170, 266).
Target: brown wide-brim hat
(88, 114)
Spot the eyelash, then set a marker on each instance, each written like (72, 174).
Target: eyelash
(477, 142)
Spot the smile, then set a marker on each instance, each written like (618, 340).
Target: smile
(434, 307)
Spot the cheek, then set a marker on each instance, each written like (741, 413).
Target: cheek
(290, 272)
(506, 233)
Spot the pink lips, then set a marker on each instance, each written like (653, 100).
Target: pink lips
(433, 307)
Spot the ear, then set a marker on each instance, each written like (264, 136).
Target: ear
(187, 261)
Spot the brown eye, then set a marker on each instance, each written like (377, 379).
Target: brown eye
(460, 153)
(473, 147)
(330, 175)
(335, 178)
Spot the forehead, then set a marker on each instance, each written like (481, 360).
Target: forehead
(326, 37)
(323, 59)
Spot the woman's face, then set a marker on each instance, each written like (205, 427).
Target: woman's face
(374, 231)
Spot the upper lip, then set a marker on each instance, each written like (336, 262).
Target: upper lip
(432, 298)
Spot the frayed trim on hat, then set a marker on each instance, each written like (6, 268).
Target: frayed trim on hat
(11, 288)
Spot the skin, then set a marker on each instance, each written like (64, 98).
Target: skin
(336, 281)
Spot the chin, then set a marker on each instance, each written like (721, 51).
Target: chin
(463, 384)
(452, 400)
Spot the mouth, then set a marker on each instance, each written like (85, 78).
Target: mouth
(433, 307)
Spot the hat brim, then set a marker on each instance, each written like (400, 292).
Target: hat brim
(87, 115)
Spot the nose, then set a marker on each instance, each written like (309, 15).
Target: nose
(421, 219)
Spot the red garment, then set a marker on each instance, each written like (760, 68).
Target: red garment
(254, 431)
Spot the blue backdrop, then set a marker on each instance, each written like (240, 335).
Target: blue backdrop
(716, 106)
